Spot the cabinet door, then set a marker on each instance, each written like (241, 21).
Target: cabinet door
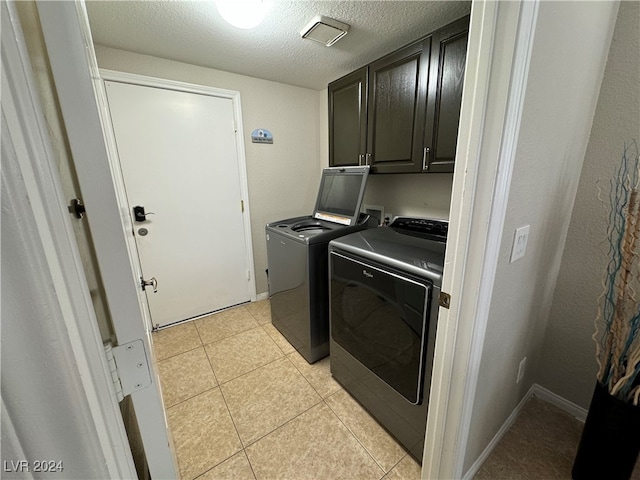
(448, 57)
(348, 119)
(397, 97)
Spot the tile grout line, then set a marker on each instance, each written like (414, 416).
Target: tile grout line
(175, 355)
(244, 447)
(195, 324)
(281, 426)
(235, 427)
(303, 375)
(228, 336)
(232, 420)
(191, 397)
(244, 450)
(155, 334)
(250, 371)
(211, 365)
(291, 419)
(358, 440)
(265, 331)
(233, 335)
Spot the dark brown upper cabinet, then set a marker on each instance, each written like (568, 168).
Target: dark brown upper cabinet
(396, 113)
(400, 114)
(448, 57)
(348, 119)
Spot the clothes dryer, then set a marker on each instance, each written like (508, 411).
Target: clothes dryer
(384, 290)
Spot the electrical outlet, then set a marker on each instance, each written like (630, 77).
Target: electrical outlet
(523, 364)
(519, 243)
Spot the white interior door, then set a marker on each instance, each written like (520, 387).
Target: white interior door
(179, 161)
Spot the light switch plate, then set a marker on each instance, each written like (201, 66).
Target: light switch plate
(519, 243)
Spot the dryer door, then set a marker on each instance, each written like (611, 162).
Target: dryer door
(380, 317)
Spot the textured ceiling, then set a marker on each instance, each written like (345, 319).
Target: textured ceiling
(193, 32)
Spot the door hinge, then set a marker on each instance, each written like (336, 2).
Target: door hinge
(242, 205)
(445, 300)
(129, 367)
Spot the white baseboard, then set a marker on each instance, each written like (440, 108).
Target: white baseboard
(262, 296)
(497, 437)
(535, 391)
(562, 403)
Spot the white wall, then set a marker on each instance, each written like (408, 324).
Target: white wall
(283, 177)
(568, 58)
(568, 365)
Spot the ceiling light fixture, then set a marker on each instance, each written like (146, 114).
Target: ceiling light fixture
(243, 14)
(324, 30)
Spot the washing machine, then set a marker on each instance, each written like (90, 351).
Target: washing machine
(297, 258)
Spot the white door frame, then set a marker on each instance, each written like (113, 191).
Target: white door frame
(65, 27)
(481, 184)
(500, 44)
(116, 169)
(42, 220)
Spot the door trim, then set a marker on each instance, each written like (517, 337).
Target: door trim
(165, 84)
(44, 222)
(67, 35)
(500, 44)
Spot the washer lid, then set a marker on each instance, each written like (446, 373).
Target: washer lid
(340, 194)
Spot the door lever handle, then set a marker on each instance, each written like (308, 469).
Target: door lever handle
(152, 282)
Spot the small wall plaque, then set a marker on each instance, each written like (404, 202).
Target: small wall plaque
(261, 135)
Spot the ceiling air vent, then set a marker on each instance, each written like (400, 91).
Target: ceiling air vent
(324, 30)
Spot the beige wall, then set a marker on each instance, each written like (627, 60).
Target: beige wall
(421, 195)
(568, 365)
(558, 110)
(283, 178)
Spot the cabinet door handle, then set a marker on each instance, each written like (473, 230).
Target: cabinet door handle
(425, 156)
(360, 159)
(367, 160)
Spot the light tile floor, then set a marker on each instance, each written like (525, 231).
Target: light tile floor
(243, 404)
